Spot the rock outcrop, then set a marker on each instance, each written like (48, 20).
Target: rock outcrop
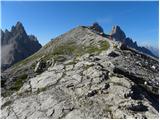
(84, 77)
(16, 45)
(97, 28)
(118, 34)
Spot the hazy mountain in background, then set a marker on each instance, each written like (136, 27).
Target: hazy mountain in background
(16, 45)
(154, 50)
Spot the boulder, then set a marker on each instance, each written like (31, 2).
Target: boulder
(40, 66)
(92, 93)
(113, 54)
(106, 86)
(138, 107)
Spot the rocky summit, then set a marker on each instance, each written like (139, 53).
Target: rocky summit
(16, 45)
(82, 74)
(118, 34)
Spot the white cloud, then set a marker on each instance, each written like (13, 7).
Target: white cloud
(148, 43)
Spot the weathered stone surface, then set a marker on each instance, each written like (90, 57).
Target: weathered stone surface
(74, 93)
(44, 81)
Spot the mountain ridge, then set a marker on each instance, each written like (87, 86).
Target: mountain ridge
(154, 50)
(119, 35)
(17, 45)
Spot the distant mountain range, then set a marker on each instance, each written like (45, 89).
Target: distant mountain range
(119, 35)
(154, 50)
(16, 45)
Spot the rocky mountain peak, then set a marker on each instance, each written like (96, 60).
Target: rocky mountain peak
(19, 24)
(117, 33)
(6, 31)
(18, 29)
(116, 28)
(96, 27)
(17, 45)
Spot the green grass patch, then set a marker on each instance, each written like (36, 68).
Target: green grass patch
(22, 77)
(7, 93)
(19, 82)
(6, 104)
(65, 49)
(91, 49)
(72, 49)
(104, 45)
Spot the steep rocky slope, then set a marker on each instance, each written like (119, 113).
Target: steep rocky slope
(82, 74)
(16, 45)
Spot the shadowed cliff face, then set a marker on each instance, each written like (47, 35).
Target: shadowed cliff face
(82, 74)
(16, 45)
(118, 34)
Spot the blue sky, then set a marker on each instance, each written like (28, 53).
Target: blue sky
(47, 20)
